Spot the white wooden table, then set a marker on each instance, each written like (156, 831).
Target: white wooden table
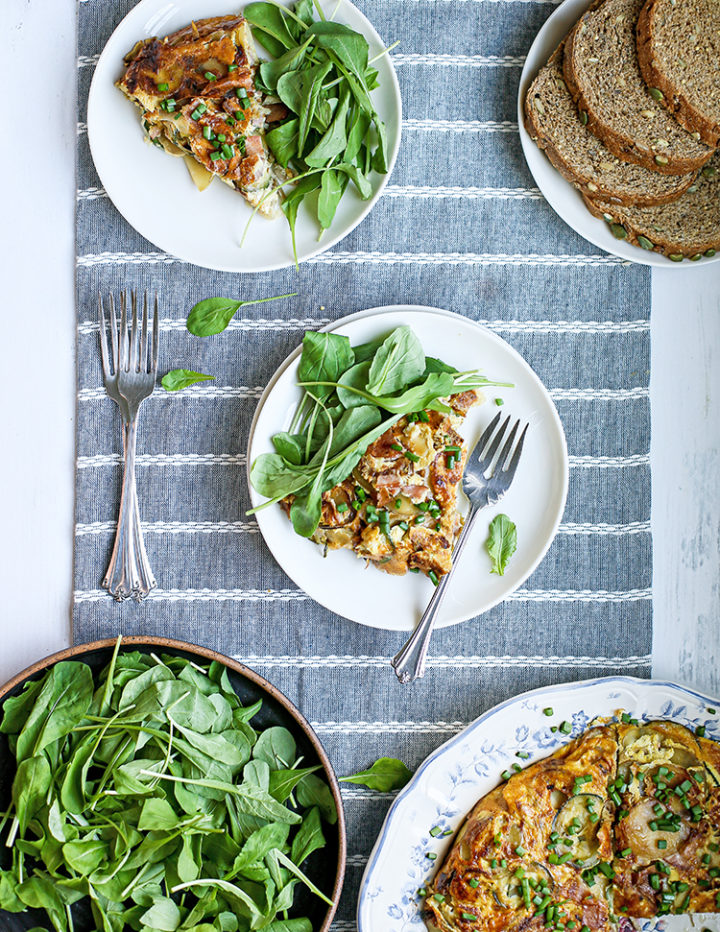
(37, 387)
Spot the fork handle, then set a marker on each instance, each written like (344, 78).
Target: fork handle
(409, 662)
(129, 574)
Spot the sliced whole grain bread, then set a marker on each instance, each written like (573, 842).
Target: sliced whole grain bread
(553, 122)
(603, 74)
(688, 228)
(678, 45)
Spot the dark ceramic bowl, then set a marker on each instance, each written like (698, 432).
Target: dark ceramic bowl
(325, 867)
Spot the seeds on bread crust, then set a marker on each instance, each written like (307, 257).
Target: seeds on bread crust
(679, 55)
(687, 228)
(603, 74)
(553, 122)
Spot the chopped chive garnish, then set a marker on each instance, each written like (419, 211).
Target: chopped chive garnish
(506, 774)
(398, 503)
(215, 156)
(438, 897)
(227, 151)
(626, 852)
(396, 447)
(430, 855)
(210, 76)
(499, 402)
(548, 711)
(433, 577)
(420, 519)
(196, 114)
(520, 851)
(413, 457)
(625, 718)
(700, 731)
(232, 68)
(435, 831)
(523, 755)
(163, 87)
(565, 728)
(474, 883)
(342, 507)
(222, 137)
(207, 132)
(470, 916)
(662, 844)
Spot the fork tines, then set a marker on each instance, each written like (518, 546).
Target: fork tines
(491, 440)
(131, 351)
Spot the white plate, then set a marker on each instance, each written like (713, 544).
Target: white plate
(562, 196)
(449, 783)
(535, 501)
(154, 192)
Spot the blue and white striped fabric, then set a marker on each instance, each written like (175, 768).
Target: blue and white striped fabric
(460, 226)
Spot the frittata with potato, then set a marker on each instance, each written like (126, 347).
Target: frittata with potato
(621, 823)
(196, 92)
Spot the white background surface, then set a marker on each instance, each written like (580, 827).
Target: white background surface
(37, 387)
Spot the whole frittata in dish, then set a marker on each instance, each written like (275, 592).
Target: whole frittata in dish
(623, 822)
(196, 92)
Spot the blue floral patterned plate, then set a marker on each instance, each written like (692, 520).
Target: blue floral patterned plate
(449, 783)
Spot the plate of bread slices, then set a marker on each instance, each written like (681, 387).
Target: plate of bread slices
(619, 113)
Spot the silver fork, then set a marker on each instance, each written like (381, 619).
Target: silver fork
(487, 478)
(129, 379)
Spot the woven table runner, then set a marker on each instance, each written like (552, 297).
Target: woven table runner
(461, 226)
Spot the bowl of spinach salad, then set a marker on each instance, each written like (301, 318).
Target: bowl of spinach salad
(147, 784)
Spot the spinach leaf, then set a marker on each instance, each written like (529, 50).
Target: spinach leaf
(269, 27)
(300, 91)
(290, 446)
(16, 709)
(379, 159)
(331, 190)
(359, 127)
(294, 869)
(258, 845)
(212, 315)
(350, 47)
(282, 141)
(352, 386)
(30, 788)
(276, 746)
(312, 791)
(308, 838)
(163, 915)
(283, 782)
(397, 363)
(9, 899)
(176, 379)
(60, 705)
(272, 71)
(325, 357)
(272, 477)
(501, 543)
(385, 775)
(334, 141)
(290, 925)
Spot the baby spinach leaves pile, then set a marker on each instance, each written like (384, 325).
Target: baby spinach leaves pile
(150, 792)
(352, 395)
(332, 135)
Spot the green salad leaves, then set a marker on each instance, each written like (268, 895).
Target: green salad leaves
(352, 395)
(148, 791)
(332, 134)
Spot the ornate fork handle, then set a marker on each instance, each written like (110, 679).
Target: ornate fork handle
(129, 574)
(409, 662)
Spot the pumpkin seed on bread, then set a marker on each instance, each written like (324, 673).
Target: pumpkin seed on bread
(603, 74)
(689, 228)
(679, 54)
(553, 122)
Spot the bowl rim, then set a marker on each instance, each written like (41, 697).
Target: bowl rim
(139, 640)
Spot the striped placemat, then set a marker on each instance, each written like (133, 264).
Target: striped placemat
(462, 226)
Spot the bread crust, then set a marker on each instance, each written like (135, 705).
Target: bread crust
(589, 187)
(662, 245)
(622, 145)
(673, 98)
